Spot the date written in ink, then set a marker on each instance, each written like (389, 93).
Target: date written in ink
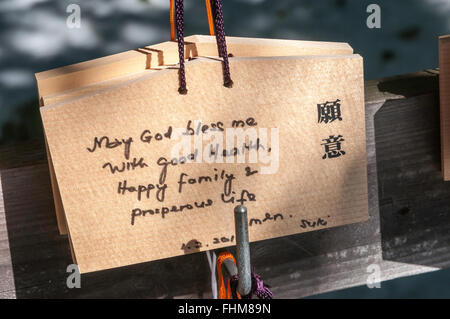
(195, 244)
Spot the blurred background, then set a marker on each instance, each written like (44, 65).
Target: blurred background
(34, 37)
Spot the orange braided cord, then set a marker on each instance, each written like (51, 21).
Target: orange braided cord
(172, 20)
(223, 292)
(210, 18)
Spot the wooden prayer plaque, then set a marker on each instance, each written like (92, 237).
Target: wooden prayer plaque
(140, 172)
(444, 92)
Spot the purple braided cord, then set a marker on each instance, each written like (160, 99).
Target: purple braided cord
(179, 12)
(259, 289)
(221, 42)
(220, 39)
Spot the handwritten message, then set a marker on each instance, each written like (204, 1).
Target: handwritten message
(153, 194)
(155, 191)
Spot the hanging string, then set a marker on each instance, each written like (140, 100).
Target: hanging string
(211, 256)
(179, 17)
(172, 20)
(210, 17)
(214, 12)
(221, 42)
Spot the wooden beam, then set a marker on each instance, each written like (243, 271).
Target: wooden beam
(444, 85)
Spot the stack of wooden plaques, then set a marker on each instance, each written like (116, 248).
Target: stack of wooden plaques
(140, 172)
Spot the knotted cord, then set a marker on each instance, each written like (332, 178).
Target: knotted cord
(223, 292)
(259, 288)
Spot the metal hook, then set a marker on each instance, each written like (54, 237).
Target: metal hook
(242, 250)
(243, 269)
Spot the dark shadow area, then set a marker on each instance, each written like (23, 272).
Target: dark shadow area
(38, 253)
(411, 84)
(414, 200)
(27, 127)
